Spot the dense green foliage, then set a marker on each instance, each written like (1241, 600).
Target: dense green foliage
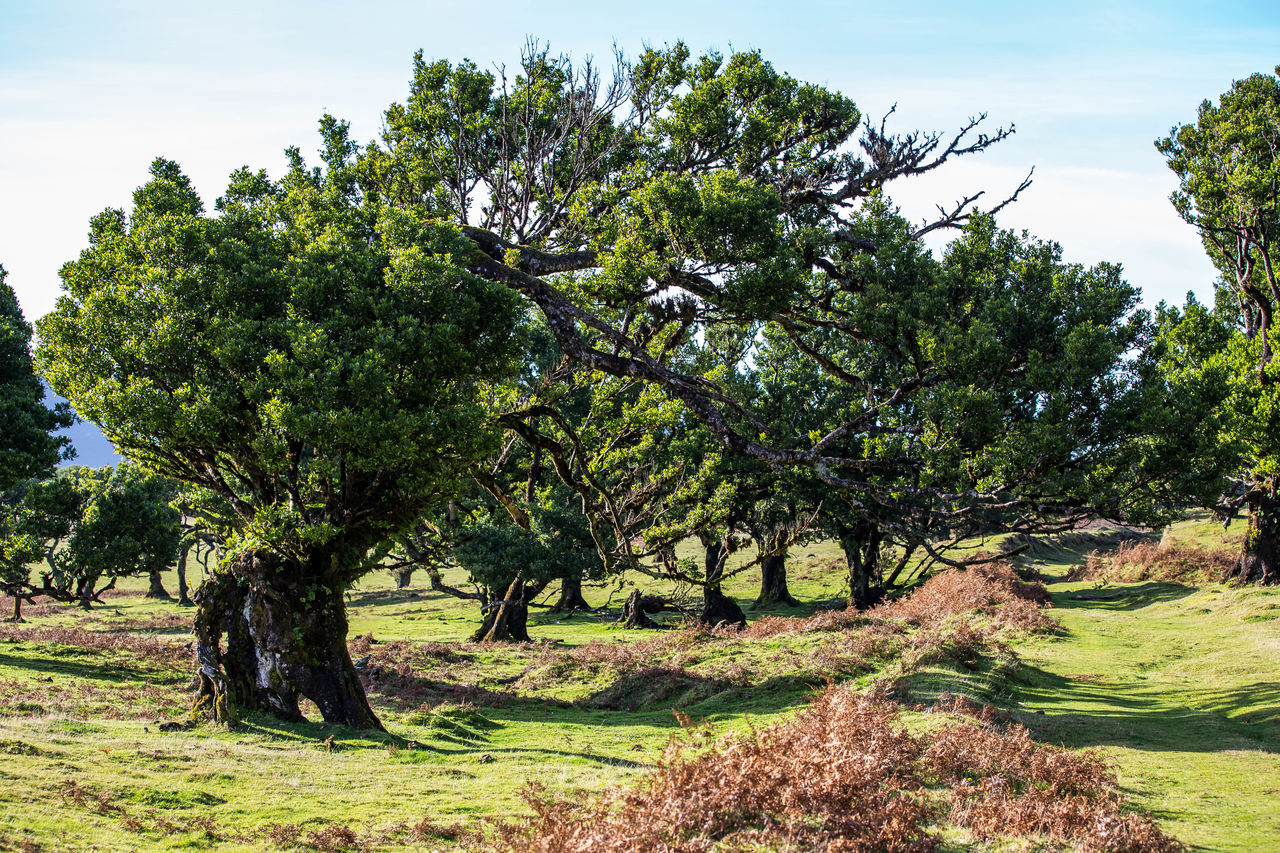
(310, 359)
(26, 447)
(644, 214)
(1228, 166)
(84, 526)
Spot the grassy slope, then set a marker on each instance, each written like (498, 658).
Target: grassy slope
(1178, 686)
(1181, 689)
(268, 772)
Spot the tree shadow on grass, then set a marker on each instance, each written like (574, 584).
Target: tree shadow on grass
(1122, 597)
(1131, 714)
(94, 668)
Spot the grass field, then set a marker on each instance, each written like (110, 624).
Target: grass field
(1177, 685)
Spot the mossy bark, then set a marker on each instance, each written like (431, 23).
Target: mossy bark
(773, 583)
(861, 546)
(403, 576)
(1259, 561)
(286, 638)
(224, 653)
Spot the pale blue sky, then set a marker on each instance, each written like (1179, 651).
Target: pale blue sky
(91, 91)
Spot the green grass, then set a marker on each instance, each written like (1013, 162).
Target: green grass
(1178, 686)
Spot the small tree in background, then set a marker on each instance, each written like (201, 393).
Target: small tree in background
(128, 528)
(87, 525)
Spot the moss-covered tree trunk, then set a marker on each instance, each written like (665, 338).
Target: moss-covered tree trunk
(286, 638)
(861, 546)
(224, 654)
(403, 576)
(717, 608)
(184, 592)
(17, 608)
(506, 620)
(570, 597)
(773, 583)
(1259, 561)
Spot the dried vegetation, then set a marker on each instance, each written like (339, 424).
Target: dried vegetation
(1148, 560)
(845, 775)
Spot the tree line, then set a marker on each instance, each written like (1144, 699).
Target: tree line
(548, 325)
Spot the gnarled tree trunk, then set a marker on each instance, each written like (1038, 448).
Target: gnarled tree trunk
(403, 576)
(634, 614)
(286, 638)
(717, 608)
(1259, 561)
(507, 620)
(861, 546)
(773, 583)
(570, 597)
(184, 593)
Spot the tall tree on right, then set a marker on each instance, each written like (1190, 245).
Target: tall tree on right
(1228, 165)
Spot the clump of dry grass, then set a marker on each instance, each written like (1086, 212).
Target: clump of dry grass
(844, 775)
(658, 685)
(990, 589)
(670, 649)
(823, 620)
(829, 780)
(1004, 784)
(1149, 560)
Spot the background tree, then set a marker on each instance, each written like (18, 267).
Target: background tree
(312, 358)
(512, 564)
(126, 528)
(28, 450)
(1228, 166)
(984, 391)
(34, 518)
(87, 525)
(27, 447)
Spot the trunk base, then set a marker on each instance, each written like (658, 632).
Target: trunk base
(1259, 561)
(720, 610)
(570, 597)
(773, 584)
(156, 588)
(506, 621)
(634, 614)
(281, 645)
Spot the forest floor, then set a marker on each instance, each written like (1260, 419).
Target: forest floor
(1176, 684)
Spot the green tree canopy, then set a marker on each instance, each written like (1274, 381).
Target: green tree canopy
(27, 449)
(683, 194)
(315, 359)
(1228, 167)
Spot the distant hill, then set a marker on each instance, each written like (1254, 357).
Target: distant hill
(92, 447)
